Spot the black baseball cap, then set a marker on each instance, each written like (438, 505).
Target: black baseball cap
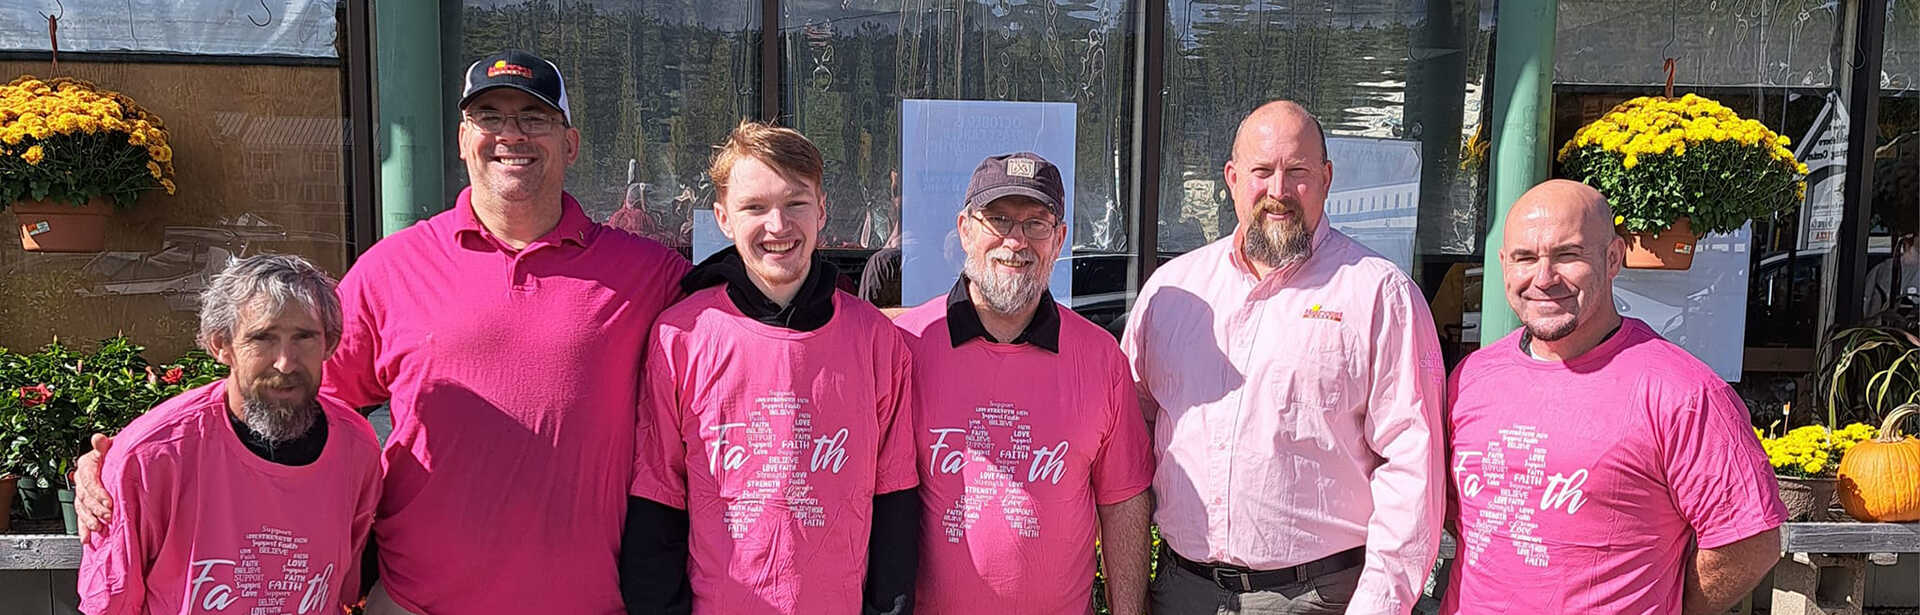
(1017, 174)
(519, 70)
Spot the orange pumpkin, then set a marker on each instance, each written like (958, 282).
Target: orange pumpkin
(1880, 479)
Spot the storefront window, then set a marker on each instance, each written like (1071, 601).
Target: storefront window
(1398, 85)
(1895, 282)
(652, 85)
(849, 66)
(257, 124)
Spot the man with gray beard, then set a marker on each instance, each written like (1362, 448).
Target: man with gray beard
(1030, 437)
(252, 492)
(1293, 381)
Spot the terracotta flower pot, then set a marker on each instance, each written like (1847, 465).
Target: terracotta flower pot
(1807, 499)
(1671, 249)
(48, 226)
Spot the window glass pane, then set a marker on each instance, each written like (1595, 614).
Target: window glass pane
(1380, 71)
(1389, 80)
(1769, 61)
(259, 157)
(1896, 171)
(652, 86)
(1717, 42)
(849, 65)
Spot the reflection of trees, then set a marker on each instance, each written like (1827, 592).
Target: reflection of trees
(658, 82)
(848, 69)
(655, 82)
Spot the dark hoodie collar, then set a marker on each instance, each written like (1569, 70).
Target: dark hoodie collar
(963, 322)
(810, 309)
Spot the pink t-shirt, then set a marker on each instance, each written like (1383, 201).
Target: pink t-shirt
(201, 524)
(1578, 485)
(1017, 445)
(775, 441)
(513, 378)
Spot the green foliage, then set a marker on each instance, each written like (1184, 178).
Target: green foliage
(1866, 372)
(52, 400)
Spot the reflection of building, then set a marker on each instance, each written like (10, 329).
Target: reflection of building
(294, 163)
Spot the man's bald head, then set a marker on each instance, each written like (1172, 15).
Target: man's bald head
(1559, 255)
(1567, 199)
(1280, 116)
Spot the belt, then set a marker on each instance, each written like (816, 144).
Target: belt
(1240, 580)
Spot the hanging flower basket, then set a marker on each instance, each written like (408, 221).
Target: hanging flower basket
(1675, 169)
(69, 148)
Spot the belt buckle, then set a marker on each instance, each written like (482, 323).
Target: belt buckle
(1220, 575)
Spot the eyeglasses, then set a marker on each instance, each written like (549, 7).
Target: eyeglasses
(530, 124)
(1031, 228)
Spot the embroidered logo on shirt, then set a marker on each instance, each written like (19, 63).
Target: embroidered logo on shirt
(501, 67)
(1316, 312)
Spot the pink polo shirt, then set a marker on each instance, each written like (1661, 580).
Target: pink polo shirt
(1297, 416)
(775, 442)
(1580, 484)
(1017, 446)
(513, 377)
(203, 525)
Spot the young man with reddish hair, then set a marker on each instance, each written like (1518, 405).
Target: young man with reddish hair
(775, 469)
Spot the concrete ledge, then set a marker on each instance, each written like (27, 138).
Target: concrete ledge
(1850, 537)
(39, 552)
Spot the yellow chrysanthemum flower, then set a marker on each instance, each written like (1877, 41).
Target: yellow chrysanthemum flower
(34, 155)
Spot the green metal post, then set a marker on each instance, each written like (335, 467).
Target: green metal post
(1522, 123)
(407, 96)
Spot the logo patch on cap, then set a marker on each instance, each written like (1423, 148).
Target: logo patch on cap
(1022, 167)
(501, 67)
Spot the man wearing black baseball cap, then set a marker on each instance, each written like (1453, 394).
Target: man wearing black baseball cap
(507, 335)
(1031, 439)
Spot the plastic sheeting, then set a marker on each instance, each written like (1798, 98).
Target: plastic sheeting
(305, 28)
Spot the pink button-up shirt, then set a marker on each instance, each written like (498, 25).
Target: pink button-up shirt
(1297, 416)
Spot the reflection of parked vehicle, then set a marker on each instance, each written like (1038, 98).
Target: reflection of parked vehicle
(1783, 300)
(189, 258)
(1102, 287)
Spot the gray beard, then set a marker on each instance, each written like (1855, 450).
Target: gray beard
(277, 423)
(1003, 294)
(1293, 245)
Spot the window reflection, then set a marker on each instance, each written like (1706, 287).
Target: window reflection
(652, 85)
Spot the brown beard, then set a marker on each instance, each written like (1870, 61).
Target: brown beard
(1282, 244)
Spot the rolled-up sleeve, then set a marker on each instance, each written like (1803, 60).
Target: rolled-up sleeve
(1406, 393)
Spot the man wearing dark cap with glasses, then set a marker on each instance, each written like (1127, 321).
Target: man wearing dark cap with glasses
(1030, 437)
(507, 335)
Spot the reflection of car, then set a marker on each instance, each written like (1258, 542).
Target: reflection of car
(1102, 287)
(1783, 298)
(188, 258)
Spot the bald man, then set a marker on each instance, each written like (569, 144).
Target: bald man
(1293, 381)
(1597, 468)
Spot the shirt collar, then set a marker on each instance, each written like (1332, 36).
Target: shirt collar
(1321, 231)
(574, 226)
(963, 321)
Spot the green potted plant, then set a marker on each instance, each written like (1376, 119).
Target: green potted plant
(69, 151)
(1675, 169)
(63, 396)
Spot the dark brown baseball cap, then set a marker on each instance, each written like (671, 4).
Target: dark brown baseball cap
(1017, 174)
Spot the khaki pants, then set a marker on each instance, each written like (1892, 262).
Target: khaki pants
(1177, 591)
(379, 603)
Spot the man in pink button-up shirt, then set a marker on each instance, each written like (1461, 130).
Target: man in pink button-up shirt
(1294, 382)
